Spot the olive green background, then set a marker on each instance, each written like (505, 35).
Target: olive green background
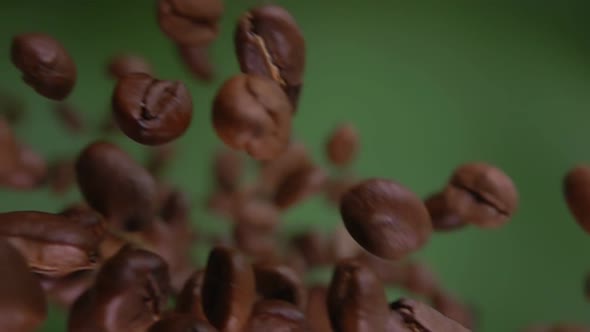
(428, 84)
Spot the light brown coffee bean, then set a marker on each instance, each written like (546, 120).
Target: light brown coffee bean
(342, 145)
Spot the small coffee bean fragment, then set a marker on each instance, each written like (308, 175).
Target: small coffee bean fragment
(269, 43)
(152, 111)
(276, 315)
(385, 218)
(251, 113)
(190, 22)
(443, 218)
(576, 189)
(197, 60)
(417, 316)
(122, 65)
(45, 64)
(181, 323)
(342, 145)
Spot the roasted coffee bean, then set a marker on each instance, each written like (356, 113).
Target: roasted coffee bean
(481, 194)
(159, 158)
(116, 186)
(228, 168)
(576, 189)
(196, 59)
(317, 311)
(269, 43)
(189, 299)
(417, 316)
(22, 303)
(279, 282)
(175, 206)
(45, 64)
(443, 218)
(314, 246)
(356, 299)
(152, 111)
(452, 308)
(251, 113)
(21, 168)
(129, 294)
(62, 176)
(69, 118)
(419, 279)
(342, 145)
(385, 218)
(273, 172)
(190, 22)
(299, 185)
(51, 244)
(255, 240)
(181, 323)
(257, 213)
(33, 165)
(122, 65)
(229, 290)
(65, 290)
(277, 315)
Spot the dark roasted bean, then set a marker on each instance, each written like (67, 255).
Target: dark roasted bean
(190, 22)
(279, 282)
(576, 189)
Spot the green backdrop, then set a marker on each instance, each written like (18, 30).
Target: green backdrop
(428, 84)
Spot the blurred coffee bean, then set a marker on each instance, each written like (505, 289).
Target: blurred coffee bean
(299, 185)
(190, 22)
(159, 158)
(181, 323)
(189, 299)
(221, 203)
(442, 217)
(385, 218)
(175, 207)
(122, 65)
(45, 64)
(356, 299)
(314, 246)
(449, 306)
(33, 164)
(481, 194)
(197, 60)
(417, 316)
(70, 118)
(317, 311)
(62, 176)
(272, 172)
(279, 282)
(21, 168)
(52, 244)
(129, 294)
(116, 186)
(390, 272)
(342, 145)
(23, 307)
(576, 189)
(252, 114)
(229, 290)
(269, 43)
(152, 111)
(255, 240)
(419, 279)
(228, 168)
(276, 315)
(335, 188)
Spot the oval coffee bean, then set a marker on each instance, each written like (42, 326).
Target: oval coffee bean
(23, 307)
(181, 323)
(116, 186)
(299, 185)
(481, 194)
(576, 189)
(279, 282)
(151, 111)
(343, 145)
(356, 299)
(251, 113)
(190, 22)
(417, 316)
(277, 315)
(45, 64)
(196, 59)
(122, 65)
(385, 218)
(269, 43)
(189, 300)
(229, 290)
(52, 244)
(443, 218)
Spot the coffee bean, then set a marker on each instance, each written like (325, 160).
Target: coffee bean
(269, 43)
(45, 64)
(190, 22)
(152, 111)
(417, 316)
(229, 290)
(299, 185)
(189, 299)
(122, 65)
(65, 290)
(342, 145)
(69, 118)
(385, 218)
(314, 247)
(576, 189)
(23, 307)
(279, 282)
(255, 240)
(51, 244)
(181, 323)
(273, 172)
(175, 206)
(389, 272)
(443, 218)
(251, 113)
(356, 299)
(116, 186)
(317, 311)
(197, 60)
(228, 168)
(481, 194)
(276, 315)
(62, 176)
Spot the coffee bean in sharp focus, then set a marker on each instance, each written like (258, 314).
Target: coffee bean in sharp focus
(251, 113)
(417, 316)
(277, 315)
(269, 43)
(576, 189)
(342, 145)
(45, 64)
(152, 111)
(190, 22)
(122, 65)
(481, 194)
(181, 323)
(197, 60)
(385, 218)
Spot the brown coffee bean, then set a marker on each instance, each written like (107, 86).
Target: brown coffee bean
(62, 176)
(33, 164)
(255, 240)
(277, 315)
(417, 316)
(152, 111)
(21, 168)
(443, 218)
(447, 305)
(175, 207)
(190, 22)
(481, 194)
(314, 247)
(299, 185)
(342, 145)
(269, 43)
(356, 299)
(385, 218)
(228, 168)
(51, 244)
(389, 272)
(317, 311)
(181, 323)
(116, 186)
(65, 290)
(576, 189)
(279, 282)
(196, 59)
(272, 172)
(189, 299)
(229, 290)
(45, 64)
(122, 65)
(251, 113)
(23, 307)
(69, 118)
(419, 279)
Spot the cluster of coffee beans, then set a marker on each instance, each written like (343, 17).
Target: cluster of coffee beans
(117, 258)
